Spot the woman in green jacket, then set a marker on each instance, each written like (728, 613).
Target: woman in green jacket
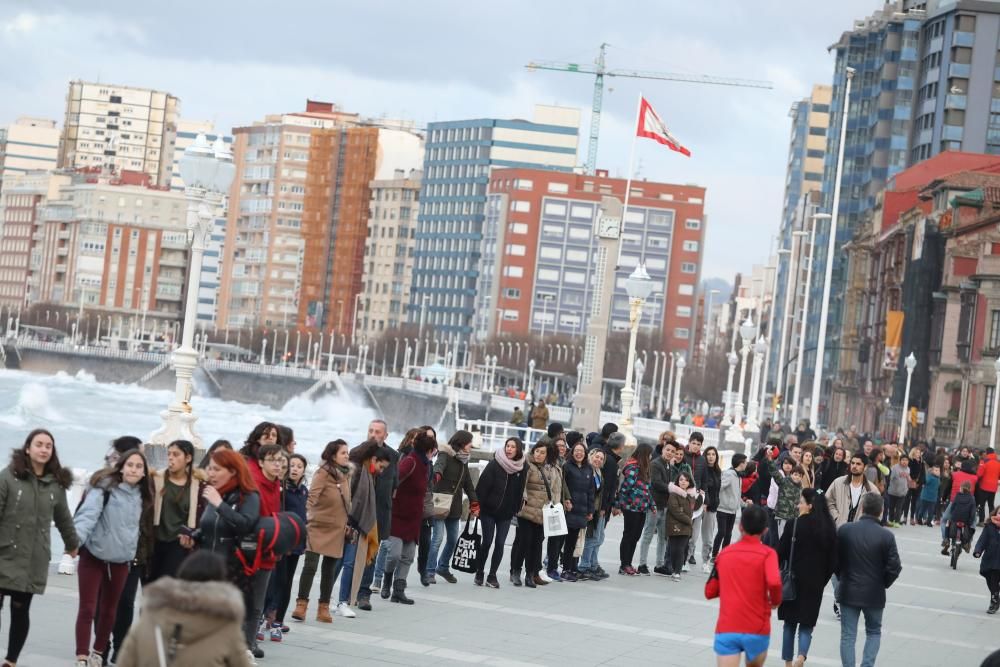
(32, 495)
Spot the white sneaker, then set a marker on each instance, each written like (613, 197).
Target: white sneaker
(95, 660)
(686, 568)
(544, 577)
(343, 609)
(676, 577)
(67, 565)
(706, 568)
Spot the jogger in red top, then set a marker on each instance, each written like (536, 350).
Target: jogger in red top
(748, 584)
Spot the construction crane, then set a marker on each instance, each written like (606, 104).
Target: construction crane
(599, 71)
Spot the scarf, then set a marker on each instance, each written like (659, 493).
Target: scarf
(463, 456)
(343, 470)
(509, 465)
(362, 514)
(227, 487)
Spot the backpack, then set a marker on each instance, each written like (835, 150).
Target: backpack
(273, 536)
(107, 497)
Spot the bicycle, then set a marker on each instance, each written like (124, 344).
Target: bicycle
(959, 541)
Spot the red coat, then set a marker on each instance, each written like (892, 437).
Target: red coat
(989, 473)
(957, 477)
(748, 585)
(408, 503)
(270, 500)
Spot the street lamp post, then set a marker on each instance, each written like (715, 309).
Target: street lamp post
(831, 248)
(996, 404)
(911, 362)
(639, 287)
(770, 332)
(759, 348)
(726, 419)
(207, 172)
(529, 378)
(663, 378)
(748, 330)
(805, 315)
(670, 386)
(652, 383)
(791, 285)
(681, 364)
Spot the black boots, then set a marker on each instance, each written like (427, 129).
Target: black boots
(515, 578)
(386, 590)
(994, 604)
(399, 592)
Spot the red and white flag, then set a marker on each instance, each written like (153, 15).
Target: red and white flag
(651, 127)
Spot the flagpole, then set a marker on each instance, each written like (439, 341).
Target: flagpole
(628, 181)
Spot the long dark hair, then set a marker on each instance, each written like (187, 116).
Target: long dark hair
(330, 453)
(249, 449)
(111, 477)
(716, 468)
(641, 455)
(187, 448)
(826, 528)
(369, 449)
(20, 462)
(218, 444)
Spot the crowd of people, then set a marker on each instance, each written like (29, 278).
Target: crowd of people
(807, 512)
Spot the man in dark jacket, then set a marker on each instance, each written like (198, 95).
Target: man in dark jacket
(613, 451)
(385, 487)
(868, 563)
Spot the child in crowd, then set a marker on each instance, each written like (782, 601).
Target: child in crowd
(929, 497)
(899, 485)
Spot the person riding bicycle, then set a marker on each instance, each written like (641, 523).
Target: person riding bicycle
(963, 513)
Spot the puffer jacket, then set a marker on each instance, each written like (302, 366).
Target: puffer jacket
(680, 510)
(501, 493)
(988, 549)
(963, 508)
(110, 532)
(989, 473)
(578, 487)
(27, 508)
(536, 496)
(452, 476)
(222, 527)
(294, 499)
(713, 483)
(729, 493)
(201, 621)
(633, 494)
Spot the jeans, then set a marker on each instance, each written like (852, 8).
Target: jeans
(553, 547)
(125, 613)
(993, 582)
(945, 518)
(696, 525)
(708, 521)
(912, 499)
(925, 511)
(258, 589)
(439, 560)
(849, 633)
(287, 566)
(491, 528)
(400, 559)
(591, 545)
(424, 546)
(347, 571)
(630, 537)
(656, 525)
(383, 553)
(788, 641)
(569, 561)
(725, 532)
(896, 507)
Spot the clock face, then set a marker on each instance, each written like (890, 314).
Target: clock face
(608, 227)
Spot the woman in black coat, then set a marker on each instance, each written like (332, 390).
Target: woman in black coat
(579, 492)
(813, 562)
(501, 492)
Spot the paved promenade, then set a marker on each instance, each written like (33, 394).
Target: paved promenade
(935, 616)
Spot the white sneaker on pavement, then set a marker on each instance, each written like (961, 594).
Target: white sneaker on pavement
(706, 568)
(343, 609)
(686, 568)
(544, 577)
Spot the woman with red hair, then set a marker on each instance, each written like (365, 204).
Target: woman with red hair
(233, 507)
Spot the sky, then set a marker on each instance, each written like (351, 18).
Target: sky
(448, 59)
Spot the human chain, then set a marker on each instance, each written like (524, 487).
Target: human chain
(216, 543)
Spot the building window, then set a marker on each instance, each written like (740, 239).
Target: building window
(510, 315)
(520, 206)
(524, 184)
(682, 332)
(817, 131)
(515, 249)
(692, 223)
(691, 246)
(550, 252)
(513, 271)
(518, 228)
(683, 311)
(558, 188)
(685, 290)
(689, 267)
(512, 293)
(988, 405)
(994, 329)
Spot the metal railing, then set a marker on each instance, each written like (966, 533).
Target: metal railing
(490, 435)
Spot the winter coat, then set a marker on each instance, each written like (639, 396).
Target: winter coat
(917, 472)
(327, 508)
(963, 508)
(988, 548)
(110, 532)
(452, 476)
(500, 493)
(196, 502)
(931, 489)
(578, 487)
(899, 477)
(27, 508)
(698, 468)
(222, 527)
(814, 562)
(729, 491)
(385, 487)
(838, 499)
(408, 505)
(539, 417)
(661, 475)
(203, 619)
(867, 563)
(829, 471)
(989, 473)
(713, 484)
(680, 511)
(296, 496)
(633, 494)
(610, 476)
(543, 485)
(788, 492)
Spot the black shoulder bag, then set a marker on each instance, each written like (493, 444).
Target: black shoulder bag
(788, 592)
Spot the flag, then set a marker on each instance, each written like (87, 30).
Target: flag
(893, 339)
(651, 127)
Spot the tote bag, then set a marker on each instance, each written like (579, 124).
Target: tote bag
(467, 549)
(788, 592)
(554, 521)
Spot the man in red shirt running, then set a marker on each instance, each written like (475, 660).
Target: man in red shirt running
(748, 584)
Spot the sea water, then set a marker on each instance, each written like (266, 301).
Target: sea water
(85, 415)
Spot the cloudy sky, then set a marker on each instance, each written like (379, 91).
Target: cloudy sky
(448, 59)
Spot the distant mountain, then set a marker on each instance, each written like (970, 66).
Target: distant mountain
(725, 289)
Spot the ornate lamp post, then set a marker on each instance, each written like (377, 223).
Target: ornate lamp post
(726, 419)
(639, 287)
(748, 331)
(996, 404)
(759, 349)
(681, 365)
(911, 362)
(207, 172)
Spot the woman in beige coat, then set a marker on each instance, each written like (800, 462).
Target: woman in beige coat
(326, 523)
(543, 486)
(195, 620)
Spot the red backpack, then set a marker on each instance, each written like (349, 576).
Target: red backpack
(273, 536)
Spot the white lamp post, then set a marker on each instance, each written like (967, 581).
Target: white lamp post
(996, 404)
(726, 419)
(759, 348)
(770, 332)
(805, 315)
(530, 378)
(663, 378)
(791, 285)
(748, 331)
(670, 386)
(681, 365)
(207, 172)
(831, 248)
(640, 370)
(638, 286)
(910, 362)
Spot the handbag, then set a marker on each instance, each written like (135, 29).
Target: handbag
(442, 501)
(553, 515)
(580, 540)
(467, 549)
(788, 589)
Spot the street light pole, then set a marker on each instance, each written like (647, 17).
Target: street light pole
(790, 289)
(831, 248)
(728, 408)
(805, 315)
(639, 287)
(681, 365)
(663, 377)
(996, 404)
(752, 425)
(770, 332)
(911, 362)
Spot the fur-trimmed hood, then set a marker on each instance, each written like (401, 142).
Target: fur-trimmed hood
(214, 599)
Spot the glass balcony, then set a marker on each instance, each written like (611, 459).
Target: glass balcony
(955, 101)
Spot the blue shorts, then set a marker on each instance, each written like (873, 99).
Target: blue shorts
(734, 643)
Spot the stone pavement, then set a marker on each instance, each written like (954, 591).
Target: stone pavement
(935, 616)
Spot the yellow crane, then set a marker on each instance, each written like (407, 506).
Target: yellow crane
(599, 70)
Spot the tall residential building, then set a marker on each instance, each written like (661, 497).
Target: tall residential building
(536, 265)
(132, 129)
(388, 267)
(28, 144)
(459, 158)
(806, 151)
(208, 291)
(296, 228)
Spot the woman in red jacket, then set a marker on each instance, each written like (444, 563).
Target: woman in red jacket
(265, 469)
(407, 513)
